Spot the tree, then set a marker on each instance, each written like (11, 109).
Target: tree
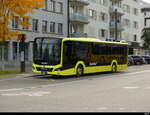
(146, 38)
(9, 9)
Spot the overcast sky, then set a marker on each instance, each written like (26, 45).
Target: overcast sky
(147, 1)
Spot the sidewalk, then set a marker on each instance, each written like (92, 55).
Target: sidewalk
(3, 76)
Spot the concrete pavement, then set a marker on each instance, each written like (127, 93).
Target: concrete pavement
(124, 91)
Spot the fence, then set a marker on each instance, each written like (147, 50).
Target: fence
(15, 66)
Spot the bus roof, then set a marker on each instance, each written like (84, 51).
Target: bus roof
(93, 40)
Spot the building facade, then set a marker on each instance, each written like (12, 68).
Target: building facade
(50, 21)
(145, 21)
(108, 20)
(132, 25)
(112, 20)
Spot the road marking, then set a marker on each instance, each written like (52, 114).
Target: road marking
(131, 87)
(32, 94)
(102, 108)
(121, 108)
(67, 83)
(15, 89)
(147, 88)
(40, 86)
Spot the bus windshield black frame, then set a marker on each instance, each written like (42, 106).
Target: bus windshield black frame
(47, 51)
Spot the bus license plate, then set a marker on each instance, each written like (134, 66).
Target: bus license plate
(44, 73)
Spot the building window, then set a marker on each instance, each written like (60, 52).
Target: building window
(126, 8)
(103, 17)
(92, 14)
(135, 38)
(127, 23)
(44, 26)
(60, 28)
(35, 25)
(103, 33)
(45, 4)
(60, 7)
(135, 25)
(52, 5)
(135, 11)
(15, 23)
(25, 23)
(6, 48)
(73, 28)
(103, 2)
(52, 27)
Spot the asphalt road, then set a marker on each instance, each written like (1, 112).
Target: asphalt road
(124, 91)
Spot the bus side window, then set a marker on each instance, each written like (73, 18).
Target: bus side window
(81, 50)
(96, 49)
(67, 51)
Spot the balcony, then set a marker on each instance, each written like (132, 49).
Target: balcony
(79, 18)
(80, 2)
(116, 9)
(116, 0)
(78, 35)
(119, 26)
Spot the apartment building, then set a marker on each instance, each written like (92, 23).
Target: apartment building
(145, 14)
(89, 18)
(97, 11)
(112, 20)
(132, 25)
(78, 18)
(52, 20)
(145, 21)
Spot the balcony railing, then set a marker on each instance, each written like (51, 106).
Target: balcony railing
(74, 35)
(76, 17)
(119, 26)
(81, 2)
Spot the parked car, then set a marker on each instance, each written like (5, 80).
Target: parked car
(130, 61)
(138, 60)
(147, 59)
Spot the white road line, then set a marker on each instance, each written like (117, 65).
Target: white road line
(15, 89)
(41, 86)
(102, 108)
(35, 94)
(131, 87)
(121, 108)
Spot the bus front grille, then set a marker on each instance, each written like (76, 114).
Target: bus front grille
(44, 69)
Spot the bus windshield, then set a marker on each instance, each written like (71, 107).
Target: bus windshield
(47, 51)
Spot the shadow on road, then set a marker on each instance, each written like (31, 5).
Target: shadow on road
(87, 76)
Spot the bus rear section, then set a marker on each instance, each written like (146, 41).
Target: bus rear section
(93, 56)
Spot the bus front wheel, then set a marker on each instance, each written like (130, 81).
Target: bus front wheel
(79, 71)
(114, 68)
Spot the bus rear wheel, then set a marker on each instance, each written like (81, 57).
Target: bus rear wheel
(79, 71)
(114, 68)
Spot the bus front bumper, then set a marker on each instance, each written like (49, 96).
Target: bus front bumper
(46, 72)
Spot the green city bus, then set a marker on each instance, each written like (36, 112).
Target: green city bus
(78, 56)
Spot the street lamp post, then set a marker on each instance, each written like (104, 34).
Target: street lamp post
(116, 26)
(68, 8)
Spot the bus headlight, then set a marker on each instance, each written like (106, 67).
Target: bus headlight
(33, 67)
(57, 69)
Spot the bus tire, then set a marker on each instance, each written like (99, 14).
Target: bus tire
(114, 68)
(79, 71)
